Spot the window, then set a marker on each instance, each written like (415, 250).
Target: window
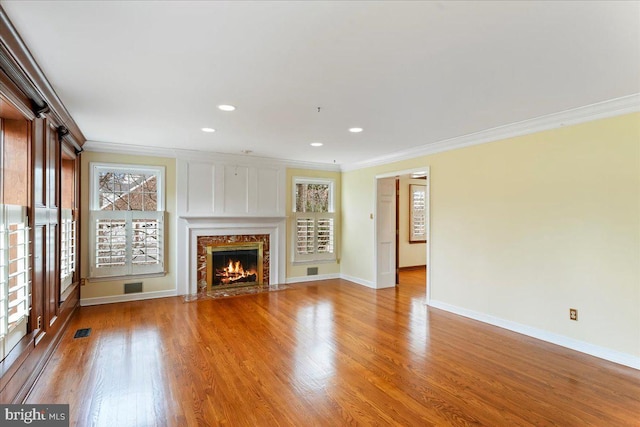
(314, 220)
(68, 223)
(127, 220)
(15, 276)
(418, 213)
(67, 249)
(15, 256)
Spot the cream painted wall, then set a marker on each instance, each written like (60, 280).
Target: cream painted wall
(112, 288)
(524, 229)
(409, 254)
(299, 270)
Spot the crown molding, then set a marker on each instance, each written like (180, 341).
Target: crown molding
(601, 110)
(300, 164)
(140, 150)
(134, 150)
(253, 160)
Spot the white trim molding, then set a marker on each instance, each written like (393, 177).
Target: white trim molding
(128, 297)
(141, 150)
(314, 278)
(600, 110)
(134, 150)
(359, 281)
(561, 340)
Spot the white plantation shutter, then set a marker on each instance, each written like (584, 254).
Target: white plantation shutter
(67, 248)
(15, 276)
(127, 243)
(325, 234)
(109, 244)
(305, 233)
(314, 236)
(418, 231)
(146, 240)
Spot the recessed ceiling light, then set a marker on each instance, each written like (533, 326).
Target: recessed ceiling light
(355, 130)
(208, 130)
(224, 107)
(316, 144)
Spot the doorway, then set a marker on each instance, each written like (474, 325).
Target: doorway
(395, 208)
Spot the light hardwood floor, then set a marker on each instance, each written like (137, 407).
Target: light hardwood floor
(327, 353)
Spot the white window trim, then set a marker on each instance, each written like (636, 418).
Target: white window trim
(95, 213)
(297, 258)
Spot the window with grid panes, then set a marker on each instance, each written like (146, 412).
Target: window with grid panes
(127, 220)
(314, 220)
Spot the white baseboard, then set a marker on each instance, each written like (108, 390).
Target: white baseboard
(128, 297)
(358, 281)
(561, 340)
(353, 279)
(301, 279)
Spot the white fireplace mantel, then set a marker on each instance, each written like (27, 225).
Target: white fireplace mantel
(190, 228)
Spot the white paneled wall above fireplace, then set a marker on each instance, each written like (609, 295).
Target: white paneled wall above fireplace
(210, 188)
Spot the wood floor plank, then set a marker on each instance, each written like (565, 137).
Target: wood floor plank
(323, 353)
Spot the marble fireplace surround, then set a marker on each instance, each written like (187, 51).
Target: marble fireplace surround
(211, 241)
(191, 228)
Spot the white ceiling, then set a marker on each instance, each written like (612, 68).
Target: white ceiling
(410, 73)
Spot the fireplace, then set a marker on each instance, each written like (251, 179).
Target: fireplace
(199, 233)
(231, 260)
(234, 264)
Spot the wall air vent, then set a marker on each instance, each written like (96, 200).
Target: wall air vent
(132, 288)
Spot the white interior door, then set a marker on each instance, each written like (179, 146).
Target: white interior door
(386, 233)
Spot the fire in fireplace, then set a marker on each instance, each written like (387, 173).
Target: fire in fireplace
(234, 264)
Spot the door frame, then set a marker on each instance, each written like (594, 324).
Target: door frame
(429, 283)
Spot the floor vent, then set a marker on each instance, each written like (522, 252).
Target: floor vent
(312, 271)
(132, 288)
(82, 333)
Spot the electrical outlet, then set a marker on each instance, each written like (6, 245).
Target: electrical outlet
(573, 314)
